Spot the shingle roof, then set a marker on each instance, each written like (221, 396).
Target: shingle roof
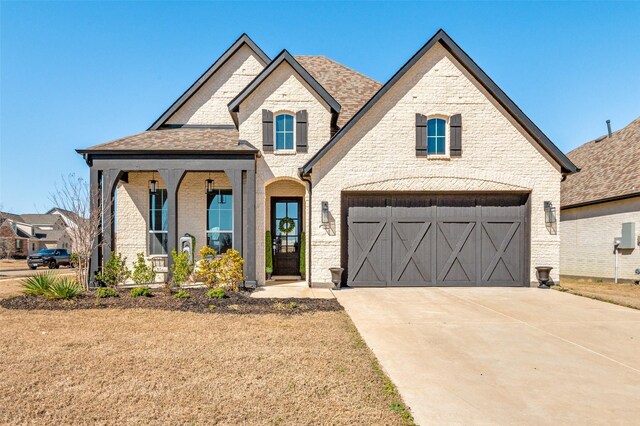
(609, 168)
(50, 234)
(11, 216)
(350, 88)
(182, 139)
(40, 219)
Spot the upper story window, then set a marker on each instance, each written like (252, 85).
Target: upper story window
(436, 136)
(284, 139)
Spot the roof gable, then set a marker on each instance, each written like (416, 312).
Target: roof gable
(446, 41)
(283, 57)
(243, 40)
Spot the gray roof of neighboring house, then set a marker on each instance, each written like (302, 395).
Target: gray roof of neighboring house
(608, 169)
(176, 140)
(11, 216)
(51, 235)
(40, 219)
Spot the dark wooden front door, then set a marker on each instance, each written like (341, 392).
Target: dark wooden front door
(286, 245)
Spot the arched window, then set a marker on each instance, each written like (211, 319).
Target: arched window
(284, 132)
(436, 136)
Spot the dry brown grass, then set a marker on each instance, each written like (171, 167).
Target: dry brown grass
(10, 287)
(621, 294)
(13, 265)
(142, 366)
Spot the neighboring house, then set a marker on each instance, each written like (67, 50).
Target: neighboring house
(434, 178)
(597, 202)
(29, 233)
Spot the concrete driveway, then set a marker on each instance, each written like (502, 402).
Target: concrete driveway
(503, 355)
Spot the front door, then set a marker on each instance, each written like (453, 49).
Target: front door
(286, 220)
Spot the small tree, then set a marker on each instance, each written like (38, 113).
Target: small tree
(143, 273)
(231, 273)
(115, 270)
(209, 268)
(181, 269)
(75, 195)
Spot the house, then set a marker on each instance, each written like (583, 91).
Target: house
(22, 235)
(600, 208)
(434, 178)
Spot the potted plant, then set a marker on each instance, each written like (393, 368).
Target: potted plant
(268, 255)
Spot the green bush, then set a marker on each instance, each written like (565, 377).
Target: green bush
(142, 272)
(115, 270)
(217, 293)
(142, 291)
(64, 288)
(268, 253)
(182, 294)
(38, 284)
(303, 253)
(181, 269)
(104, 292)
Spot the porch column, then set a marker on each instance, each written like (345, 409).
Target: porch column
(95, 208)
(250, 252)
(172, 179)
(110, 181)
(235, 177)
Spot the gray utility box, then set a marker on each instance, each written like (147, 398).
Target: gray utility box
(628, 239)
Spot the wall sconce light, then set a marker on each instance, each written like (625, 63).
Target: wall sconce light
(325, 212)
(549, 214)
(209, 184)
(153, 183)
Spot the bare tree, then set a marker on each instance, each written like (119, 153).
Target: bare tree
(75, 194)
(7, 242)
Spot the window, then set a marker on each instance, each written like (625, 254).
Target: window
(220, 220)
(158, 222)
(284, 132)
(18, 244)
(436, 136)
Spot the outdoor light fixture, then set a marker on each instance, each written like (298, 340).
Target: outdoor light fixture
(209, 185)
(549, 213)
(325, 212)
(153, 183)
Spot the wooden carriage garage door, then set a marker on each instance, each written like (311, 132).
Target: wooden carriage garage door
(437, 240)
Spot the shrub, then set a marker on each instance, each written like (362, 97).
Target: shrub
(303, 253)
(38, 284)
(181, 269)
(217, 293)
(268, 255)
(142, 272)
(182, 294)
(231, 270)
(209, 268)
(104, 292)
(115, 270)
(142, 291)
(64, 288)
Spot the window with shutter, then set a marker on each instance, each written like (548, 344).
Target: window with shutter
(267, 130)
(421, 135)
(301, 131)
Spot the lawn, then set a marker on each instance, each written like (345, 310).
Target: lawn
(13, 265)
(144, 366)
(620, 294)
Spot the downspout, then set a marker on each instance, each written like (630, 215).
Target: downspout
(305, 178)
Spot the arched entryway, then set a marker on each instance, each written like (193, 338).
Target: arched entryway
(285, 216)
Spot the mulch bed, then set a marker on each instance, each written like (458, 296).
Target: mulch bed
(235, 303)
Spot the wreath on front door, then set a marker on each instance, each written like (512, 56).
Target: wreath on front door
(286, 225)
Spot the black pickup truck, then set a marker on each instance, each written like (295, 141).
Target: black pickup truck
(52, 258)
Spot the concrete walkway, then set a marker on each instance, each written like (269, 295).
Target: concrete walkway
(503, 356)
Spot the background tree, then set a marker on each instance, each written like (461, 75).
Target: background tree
(74, 194)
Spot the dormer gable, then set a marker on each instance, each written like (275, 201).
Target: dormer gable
(204, 104)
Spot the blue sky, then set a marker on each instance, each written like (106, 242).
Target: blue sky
(77, 74)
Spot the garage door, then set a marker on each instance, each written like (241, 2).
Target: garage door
(437, 240)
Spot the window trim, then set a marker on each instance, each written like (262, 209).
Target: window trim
(447, 151)
(220, 231)
(275, 132)
(150, 232)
